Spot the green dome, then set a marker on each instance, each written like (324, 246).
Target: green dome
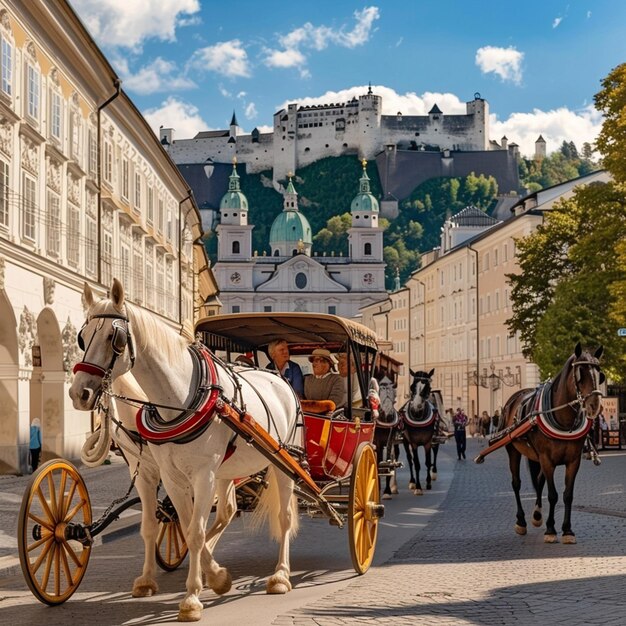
(234, 197)
(290, 226)
(364, 200)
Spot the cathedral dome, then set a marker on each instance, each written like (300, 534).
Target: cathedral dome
(291, 231)
(290, 227)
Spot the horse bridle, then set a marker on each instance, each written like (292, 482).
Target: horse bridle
(597, 379)
(120, 339)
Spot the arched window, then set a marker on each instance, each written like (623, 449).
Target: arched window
(367, 249)
(236, 247)
(276, 252)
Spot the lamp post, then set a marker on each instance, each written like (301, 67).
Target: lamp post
(494, 381)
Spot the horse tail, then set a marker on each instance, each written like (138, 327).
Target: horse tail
(269, 505)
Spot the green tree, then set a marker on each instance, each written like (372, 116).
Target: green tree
(572, 284)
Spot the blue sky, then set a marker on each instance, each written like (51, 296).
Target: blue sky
(188, 64)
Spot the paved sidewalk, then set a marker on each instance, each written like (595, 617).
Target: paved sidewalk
(469, 567)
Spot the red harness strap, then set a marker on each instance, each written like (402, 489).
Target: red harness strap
(193, 422)
(89, 368)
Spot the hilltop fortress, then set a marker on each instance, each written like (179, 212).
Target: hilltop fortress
(408, 148)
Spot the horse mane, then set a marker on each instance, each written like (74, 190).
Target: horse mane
(148, 325)
(564, 370)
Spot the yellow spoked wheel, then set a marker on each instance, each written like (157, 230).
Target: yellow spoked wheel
(54, 513)
(171, 547)
(364, 508)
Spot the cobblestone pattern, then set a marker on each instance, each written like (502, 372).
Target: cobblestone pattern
(467, 566)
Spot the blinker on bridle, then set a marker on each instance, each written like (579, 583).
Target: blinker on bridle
(120, 338)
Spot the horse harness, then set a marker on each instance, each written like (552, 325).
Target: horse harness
(193, 420)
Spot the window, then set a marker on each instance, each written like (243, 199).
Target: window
(75, 121)
(73, 235)
(160, 216)
(235, 247)
(332, 309)
(125, 179)
(137, 191)
(236, 308)
(267, 308)
(93, 151)
(91, 259)
(367, 249)
(55, 114)
(108, 161)
(7, 66)
(107, 257)
(138, 276)
(169, 288)
(170, 226)
(53, 225)
(150, 215)
(4, 194)
(160, 284)
(125, 265)
(33, 95)
(29, 206)
(301, 280)
(149, 289)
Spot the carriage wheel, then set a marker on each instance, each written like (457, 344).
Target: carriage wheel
(364, 508)
(54, 506)
(171, 547)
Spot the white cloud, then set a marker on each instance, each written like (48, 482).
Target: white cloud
(588, 14)
(128, 24)
(224, 91)
(310, 37)
(250, 111)
(173, 113)
(159, 76)
(555, 126)
(399, 42)
(241, 95)
(505, 62)
(228, 58)
(556, 22)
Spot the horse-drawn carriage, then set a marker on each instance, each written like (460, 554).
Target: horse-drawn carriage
(204, 424)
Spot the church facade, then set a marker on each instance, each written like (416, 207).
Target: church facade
(293, 277)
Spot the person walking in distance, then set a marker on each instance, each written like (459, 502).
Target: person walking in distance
(35, 443)
(460, 423)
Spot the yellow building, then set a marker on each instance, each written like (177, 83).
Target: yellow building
(87, 193)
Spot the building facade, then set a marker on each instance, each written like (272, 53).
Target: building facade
(459, 302)
(87, 193)
(293, 277)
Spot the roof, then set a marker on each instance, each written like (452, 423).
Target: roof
(435, 110)
(256, 330)
(290, 226)
(472, 216)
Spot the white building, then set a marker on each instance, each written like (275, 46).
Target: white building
(305, 134)
(293, 278)
(87, 193)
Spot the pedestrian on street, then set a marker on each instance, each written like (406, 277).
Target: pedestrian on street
(460, 423)
(485, 424)
(604, 431)
(35, 443)
(495, 422)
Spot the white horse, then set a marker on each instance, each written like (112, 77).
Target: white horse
(191, 472)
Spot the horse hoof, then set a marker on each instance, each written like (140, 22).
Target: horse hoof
(569, 539)
(394, 491)
(386, 496)
(433, 476)
(418, 492)
(412, 486)
(144, 588)
(550, 539)
(221, 582)
(190, 610)
(537, 519)
(278, 584)
(520, 530)
(429, 487)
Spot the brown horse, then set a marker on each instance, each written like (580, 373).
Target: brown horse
(420, 424)
(385, 436)
(558, 415)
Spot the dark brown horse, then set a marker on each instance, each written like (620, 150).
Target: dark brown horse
(558, 415)
(386, 434)
(420, 424)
